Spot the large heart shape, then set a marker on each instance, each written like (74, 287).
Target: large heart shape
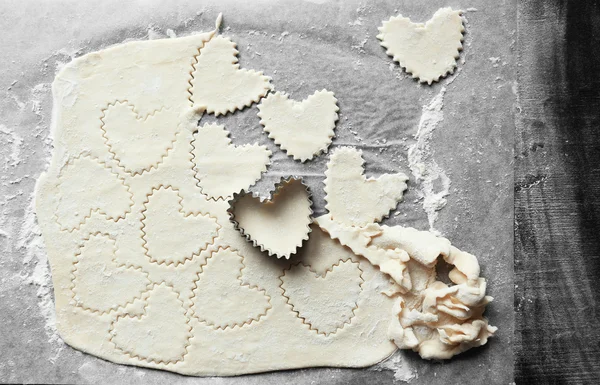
(86, 185)
(325, 302)
(239, 304)
(219, 85)
(160, 335)
(170, 235)
(352, 198)
(153, 136)
(302, 129)
(427, 51)
(95, 271)
(222, 168)
(278, 225)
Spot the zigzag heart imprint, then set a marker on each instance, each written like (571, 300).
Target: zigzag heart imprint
(144, 214)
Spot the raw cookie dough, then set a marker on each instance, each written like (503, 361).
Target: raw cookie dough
(92, 210)
(302, 129)
(278, 225)
(427, 51)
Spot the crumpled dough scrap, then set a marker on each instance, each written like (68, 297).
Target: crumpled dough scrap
(218, 83)
(278, 225)
(222, 168)
(154, 135)
(160, 335)
(354, 199)
(239, 305)
(87, 185)
(427, 51)
(448, 319)
(302, 129)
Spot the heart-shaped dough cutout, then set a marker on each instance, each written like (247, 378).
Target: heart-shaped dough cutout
(427, 51)
(164, 212)
(153, 136)
(160, 335)
(222, 168)
(353, 199)
(302, 129)
(325, 302)
(86, 185)
(278, 225)
(96, 271)
(218, 83)
(239, 304)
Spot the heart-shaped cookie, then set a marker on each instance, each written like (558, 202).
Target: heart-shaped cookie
(278, 225)
(324, 302)
(239, 304)
(162, 213)
(153, 136)
(160, 335)
(427, 51)
(95, 271)
(302, 129)
(218, 83)
(86, 185)
(222, 168)
(353, 199)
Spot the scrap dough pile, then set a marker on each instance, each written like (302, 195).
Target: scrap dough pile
(162, 258)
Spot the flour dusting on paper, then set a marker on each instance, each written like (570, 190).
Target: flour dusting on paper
(403, 371)
(425, 169)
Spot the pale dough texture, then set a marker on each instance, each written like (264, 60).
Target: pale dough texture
(427, 51)
(142, 258)
(279, 224)
(302, 129)
(354, 199)
(223, 169)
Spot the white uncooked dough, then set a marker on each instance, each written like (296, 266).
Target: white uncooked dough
(278, 225)
(427, 51)
(223, 169)
(87, 194)
(354, 199)
(436, 320)
(219, 85)
(302, 129)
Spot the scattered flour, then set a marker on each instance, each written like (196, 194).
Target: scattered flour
(402, 370)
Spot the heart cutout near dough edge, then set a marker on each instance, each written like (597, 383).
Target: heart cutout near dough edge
(160, 335)
(325, 302)
(218, 83)
(304, 129)
(354, 199)
(426, 51)
(279, 224)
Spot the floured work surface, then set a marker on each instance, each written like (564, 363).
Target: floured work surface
(171, 190)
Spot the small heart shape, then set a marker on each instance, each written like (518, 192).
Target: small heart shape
(222, 168)
(153, 136)
(218, 83)
(86, 185)
(427, 51)
(302, 129)
(278, 225)
(160, 335)
(95, 271)
(325, 302)
(353, 199)
(239, 304)
(164, 212)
